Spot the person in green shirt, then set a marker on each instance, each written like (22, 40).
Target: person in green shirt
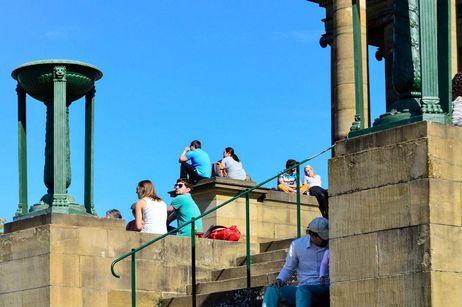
(184, 208)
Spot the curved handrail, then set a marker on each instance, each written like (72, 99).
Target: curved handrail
(246, 192)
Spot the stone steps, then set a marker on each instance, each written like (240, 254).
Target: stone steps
(227, 287)
(264, 257)
(239, 298)
(255, 269)
(232, 284)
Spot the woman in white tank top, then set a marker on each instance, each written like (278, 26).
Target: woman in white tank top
(150, 210)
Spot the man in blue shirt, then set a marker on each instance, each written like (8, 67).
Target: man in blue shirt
(304, 257)
(200, 167)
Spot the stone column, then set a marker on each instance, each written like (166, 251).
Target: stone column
(22, 151)
(61, 178)
(89, 147)
(343, 104)
(365, 65)
(390, 92)
(454, 59)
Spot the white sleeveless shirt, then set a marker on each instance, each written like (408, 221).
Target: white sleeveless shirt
(154, 216)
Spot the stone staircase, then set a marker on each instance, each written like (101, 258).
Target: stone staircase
(227, 287)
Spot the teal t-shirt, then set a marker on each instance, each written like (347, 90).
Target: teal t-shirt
(186, 209)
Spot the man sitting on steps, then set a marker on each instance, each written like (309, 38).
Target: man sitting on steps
(304, 257)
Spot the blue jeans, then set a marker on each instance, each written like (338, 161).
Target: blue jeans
(301, 296)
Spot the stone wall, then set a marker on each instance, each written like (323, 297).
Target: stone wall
(273, 214)
(396, 222)
(64, 260)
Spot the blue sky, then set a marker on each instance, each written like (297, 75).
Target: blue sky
(245, 74)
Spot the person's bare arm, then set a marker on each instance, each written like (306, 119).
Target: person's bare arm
(171, 214)
(183, 155)
(140, 204)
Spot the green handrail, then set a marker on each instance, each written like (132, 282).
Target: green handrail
(245, 193)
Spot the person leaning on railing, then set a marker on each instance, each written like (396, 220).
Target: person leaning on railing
(184, 208)
(287, 182)
(304, 257)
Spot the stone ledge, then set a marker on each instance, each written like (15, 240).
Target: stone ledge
(397, 135)
(64, 219)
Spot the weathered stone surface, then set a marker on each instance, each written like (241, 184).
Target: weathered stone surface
(122, 298)
(273, 214)
(446, 288)
(379, 208)
(64, 270)
(64, 219)
(92, 297)
(396, 218)
(353, 258)
(401, 290)
(24, 244)
(16, 274)
(402, 251)
(66, 296)
(378, 167)
(446, 248)
(383, 138)
(445, 202)
(93, 241)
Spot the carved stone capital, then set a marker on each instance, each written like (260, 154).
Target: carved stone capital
(59, 73)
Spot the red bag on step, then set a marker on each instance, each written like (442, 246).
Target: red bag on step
(221, 233)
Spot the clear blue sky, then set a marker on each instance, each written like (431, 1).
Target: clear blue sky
(240, 73)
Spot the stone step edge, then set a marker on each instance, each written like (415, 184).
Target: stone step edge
(237, 297)
(240, 261)
(201, 287)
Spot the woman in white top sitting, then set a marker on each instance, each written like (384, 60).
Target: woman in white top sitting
(313, 183)
(231, 166)
(150, 210)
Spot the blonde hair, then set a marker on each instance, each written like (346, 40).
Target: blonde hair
(309, 167)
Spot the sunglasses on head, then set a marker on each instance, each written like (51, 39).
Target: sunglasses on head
(179, 185)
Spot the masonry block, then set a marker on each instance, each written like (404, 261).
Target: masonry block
(401, 290)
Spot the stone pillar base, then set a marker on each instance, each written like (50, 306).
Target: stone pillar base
(396, 218)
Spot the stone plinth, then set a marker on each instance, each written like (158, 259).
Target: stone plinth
(273, 214)
(396, 218)
(64, 260)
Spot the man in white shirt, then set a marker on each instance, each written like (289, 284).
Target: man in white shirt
(304, 257)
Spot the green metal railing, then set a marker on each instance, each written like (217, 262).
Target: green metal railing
(245, 193)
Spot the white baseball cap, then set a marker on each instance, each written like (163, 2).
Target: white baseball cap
(320, 226)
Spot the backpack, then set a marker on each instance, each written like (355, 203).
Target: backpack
(221, 233)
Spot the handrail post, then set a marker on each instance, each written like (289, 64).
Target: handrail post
(298, 201)
(193, 261)
(133, 278)
(247, 237)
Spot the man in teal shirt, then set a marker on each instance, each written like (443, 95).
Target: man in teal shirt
(184, 208)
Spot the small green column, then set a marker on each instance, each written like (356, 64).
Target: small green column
(60, 129)
(444, 55)
(89, 150)
(22, 151)
(429, 57)
(358, 60)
